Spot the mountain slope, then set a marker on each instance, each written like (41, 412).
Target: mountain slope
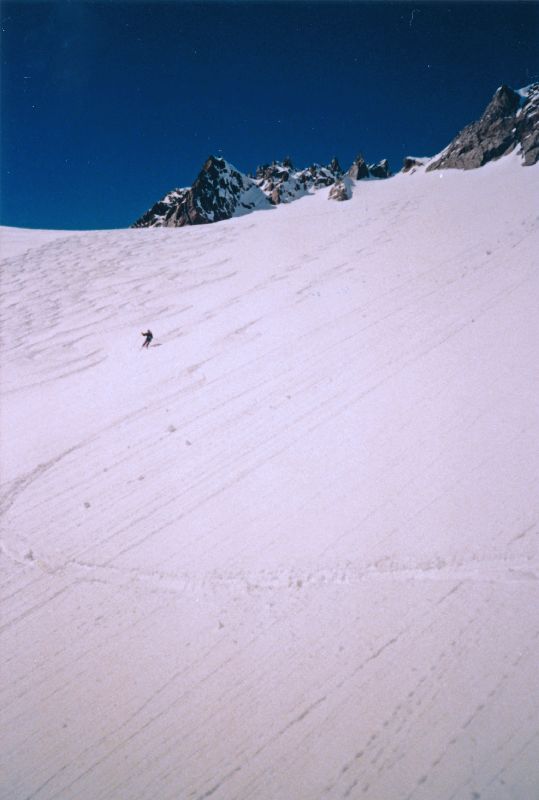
(291, 550)
(509, 123)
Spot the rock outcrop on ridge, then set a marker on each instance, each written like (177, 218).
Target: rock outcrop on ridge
(380, 170)
(281, 182)
(510, 120)
(361, 170)
(157, 215)
(528, 124)
(221, 191)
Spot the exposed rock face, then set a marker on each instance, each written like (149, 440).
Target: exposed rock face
(157, 214)
(528, 125)
(410, 164)
(380, 170)
(219, 192)
(334, 166)
(280, 181)
(359, 169)
(511, 119)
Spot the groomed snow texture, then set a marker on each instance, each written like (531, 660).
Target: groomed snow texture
(289, 552)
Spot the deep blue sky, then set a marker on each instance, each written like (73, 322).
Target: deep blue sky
(107, 106)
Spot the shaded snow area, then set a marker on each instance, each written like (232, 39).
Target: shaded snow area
(289, 551)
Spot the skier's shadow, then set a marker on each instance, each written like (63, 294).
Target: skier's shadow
(157, 344)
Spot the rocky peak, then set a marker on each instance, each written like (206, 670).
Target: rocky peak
(509, 121)
(503, 104)
(359, 169)
(380, 170)
(219, 192)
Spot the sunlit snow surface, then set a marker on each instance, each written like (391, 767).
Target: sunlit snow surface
(288, 552)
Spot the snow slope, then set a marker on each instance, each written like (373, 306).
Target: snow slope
(290, 551)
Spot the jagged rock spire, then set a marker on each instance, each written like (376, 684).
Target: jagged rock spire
(359, 169)
(219, 192)
(334, 166)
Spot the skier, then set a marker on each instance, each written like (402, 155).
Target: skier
(149, 336)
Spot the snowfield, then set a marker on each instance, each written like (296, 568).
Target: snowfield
(290, 551)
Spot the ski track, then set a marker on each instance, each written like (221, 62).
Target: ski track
(290, 551)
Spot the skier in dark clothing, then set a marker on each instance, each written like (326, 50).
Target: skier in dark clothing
(149, 336)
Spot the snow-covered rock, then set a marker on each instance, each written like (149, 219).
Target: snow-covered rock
(282, 183)
(341, 190)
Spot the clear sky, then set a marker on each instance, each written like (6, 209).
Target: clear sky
(108, 105)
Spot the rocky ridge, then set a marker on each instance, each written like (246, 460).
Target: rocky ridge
(221, 191)
(510, 121)
(281, 182)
